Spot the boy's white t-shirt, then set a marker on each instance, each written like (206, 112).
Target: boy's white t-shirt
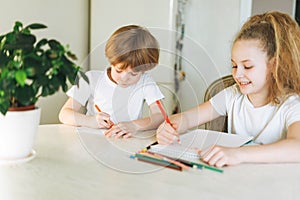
(267, 124)
(122, 104)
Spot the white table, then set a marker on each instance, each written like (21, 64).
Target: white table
(84, 165)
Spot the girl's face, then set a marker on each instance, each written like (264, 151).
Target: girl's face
(250, 70)
(124, 78)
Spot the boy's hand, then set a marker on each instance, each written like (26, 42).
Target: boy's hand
(167, 133)
(123, 129)
(103, 120)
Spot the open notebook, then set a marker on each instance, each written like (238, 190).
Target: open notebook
(198, 139)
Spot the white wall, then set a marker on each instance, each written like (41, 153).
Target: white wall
(210, 28)
(260, 6)
(67, 21)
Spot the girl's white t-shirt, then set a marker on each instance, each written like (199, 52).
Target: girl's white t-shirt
(122, 104)
(267, 124)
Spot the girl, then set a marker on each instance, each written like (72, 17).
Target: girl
(264, 102)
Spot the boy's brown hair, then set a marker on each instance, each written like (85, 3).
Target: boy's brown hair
(132, 46)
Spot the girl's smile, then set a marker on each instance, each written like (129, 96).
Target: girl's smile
(250, 70)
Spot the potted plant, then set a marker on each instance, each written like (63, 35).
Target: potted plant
(29, 69)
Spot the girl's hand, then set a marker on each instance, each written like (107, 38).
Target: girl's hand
(167, 134)
(103, 120)
(123, 129)
(220, 156)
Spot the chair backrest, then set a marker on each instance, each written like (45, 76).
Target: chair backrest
(219, 124)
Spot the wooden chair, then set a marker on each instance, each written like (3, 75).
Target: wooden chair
(219, 124)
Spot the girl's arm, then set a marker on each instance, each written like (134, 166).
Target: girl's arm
(70, 114)
(286, 150)
(181, 122)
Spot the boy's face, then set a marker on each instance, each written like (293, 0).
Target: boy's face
(124, 77)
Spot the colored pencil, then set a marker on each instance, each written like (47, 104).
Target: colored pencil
(156, 161)
(162, 110)
(207, 167)
(149, 146)
(97, 107)
(193, 164)
(171, 160)
(185, 162)
(99, 110)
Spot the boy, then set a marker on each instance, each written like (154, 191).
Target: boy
(114, 98)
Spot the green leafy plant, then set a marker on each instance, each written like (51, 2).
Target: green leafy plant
(30, 69)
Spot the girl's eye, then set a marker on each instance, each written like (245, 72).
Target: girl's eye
(245, 67)
(118, 71)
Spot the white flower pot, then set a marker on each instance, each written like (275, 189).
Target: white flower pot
(17, 134)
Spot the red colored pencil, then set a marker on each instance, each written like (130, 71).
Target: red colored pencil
(162, 110)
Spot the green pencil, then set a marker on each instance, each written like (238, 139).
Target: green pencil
(198, 165)
(207, 167)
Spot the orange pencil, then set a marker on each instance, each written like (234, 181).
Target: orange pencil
(99, 110)
(97, 107)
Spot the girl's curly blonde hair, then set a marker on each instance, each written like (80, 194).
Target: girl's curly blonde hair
(279, 37)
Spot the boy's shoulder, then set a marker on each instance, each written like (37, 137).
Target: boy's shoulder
(95, 72)
(95, 76)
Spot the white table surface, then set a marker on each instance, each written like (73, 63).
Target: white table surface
(82, 164)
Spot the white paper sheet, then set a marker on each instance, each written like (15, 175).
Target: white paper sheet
(195, 140)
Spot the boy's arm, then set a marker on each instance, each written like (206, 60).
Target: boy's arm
(127, 129)
(70, 114)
